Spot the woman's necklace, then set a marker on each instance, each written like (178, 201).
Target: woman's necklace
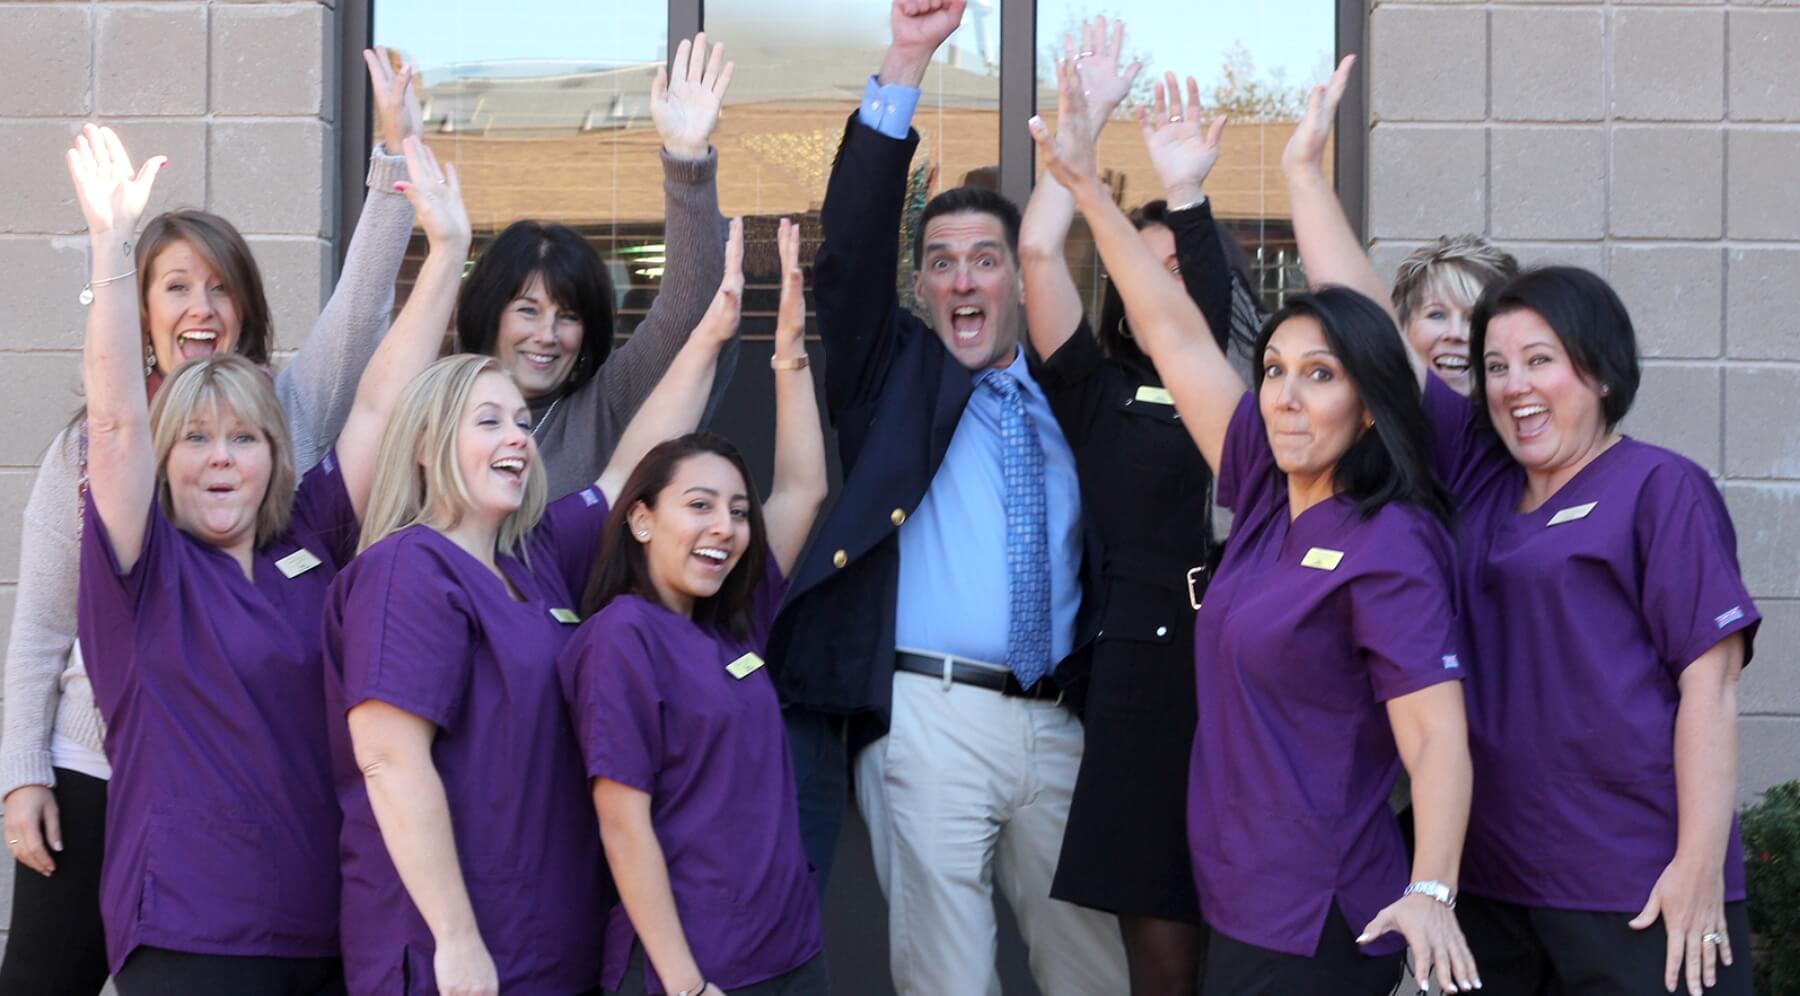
(539, 427)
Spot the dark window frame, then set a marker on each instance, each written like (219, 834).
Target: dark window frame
(1018, 102)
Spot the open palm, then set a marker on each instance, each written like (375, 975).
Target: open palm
(1097, 67)
(1182, 148)
(112, 195)
(685, 100)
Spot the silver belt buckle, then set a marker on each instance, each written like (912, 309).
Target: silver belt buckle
(1193, 575)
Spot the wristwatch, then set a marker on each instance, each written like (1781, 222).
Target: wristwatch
(1433, 889)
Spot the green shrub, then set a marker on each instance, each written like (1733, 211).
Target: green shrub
(1771, 831)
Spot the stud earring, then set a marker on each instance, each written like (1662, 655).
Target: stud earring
(1605, 389)
(149, 359)
(643, 534)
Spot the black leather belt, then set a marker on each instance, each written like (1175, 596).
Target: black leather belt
(967, 672)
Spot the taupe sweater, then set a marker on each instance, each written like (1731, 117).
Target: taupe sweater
(576, 434)
(46, 689)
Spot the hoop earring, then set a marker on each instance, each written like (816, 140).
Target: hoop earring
(1124, 330)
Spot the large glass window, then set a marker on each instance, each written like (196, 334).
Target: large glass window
(544, 107)
(1254, 61)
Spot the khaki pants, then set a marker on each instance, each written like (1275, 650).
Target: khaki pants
(969, 788)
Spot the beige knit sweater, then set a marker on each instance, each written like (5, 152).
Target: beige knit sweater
(46, 689)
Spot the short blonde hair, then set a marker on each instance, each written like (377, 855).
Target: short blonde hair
(417, 479)
(1459, 268)
(227, 383)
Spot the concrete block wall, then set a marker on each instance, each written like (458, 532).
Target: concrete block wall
(1653, 142)
(241, 96)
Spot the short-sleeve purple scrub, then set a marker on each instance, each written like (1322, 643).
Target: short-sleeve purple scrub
(221, 827)
(1581, 616)
(657, 708)
(418, 623)
(1310, 625)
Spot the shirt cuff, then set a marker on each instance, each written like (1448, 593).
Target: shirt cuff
(888, 109)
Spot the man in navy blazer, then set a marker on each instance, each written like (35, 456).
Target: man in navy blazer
(939, 607)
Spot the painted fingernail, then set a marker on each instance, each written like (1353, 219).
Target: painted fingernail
(1362, 939)
(400, 188)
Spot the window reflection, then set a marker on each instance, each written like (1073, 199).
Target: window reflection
(1255, 62)
(544, 107)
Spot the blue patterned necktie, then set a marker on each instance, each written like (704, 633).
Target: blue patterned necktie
(1027, 535)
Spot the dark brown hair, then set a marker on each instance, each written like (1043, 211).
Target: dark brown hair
(217, 242)
(621, 568)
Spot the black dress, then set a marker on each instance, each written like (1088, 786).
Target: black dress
(1148, 490)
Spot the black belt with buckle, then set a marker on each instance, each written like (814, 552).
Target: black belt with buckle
(981, 676)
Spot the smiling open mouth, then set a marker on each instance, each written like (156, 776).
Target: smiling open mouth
(968, 322)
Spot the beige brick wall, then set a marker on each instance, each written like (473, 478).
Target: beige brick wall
(240, 96)
(1656, 144)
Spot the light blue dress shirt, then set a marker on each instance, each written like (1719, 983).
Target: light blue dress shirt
(888, 109)
(953, 585)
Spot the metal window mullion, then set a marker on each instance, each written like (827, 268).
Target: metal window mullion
(1018, 96)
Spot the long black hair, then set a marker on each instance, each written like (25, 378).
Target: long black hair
(574, 277)
(1390, 461)
(621, 567)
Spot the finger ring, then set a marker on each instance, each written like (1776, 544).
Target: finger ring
(11, 842)
(1712, 938)
(1084, 53)
(1174, 117)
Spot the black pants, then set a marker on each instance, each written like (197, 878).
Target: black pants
(57, 946)
(1531, 951)
(161, 972)
(809, 979)
(1338, 967)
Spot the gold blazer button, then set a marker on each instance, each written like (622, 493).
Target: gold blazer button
(840, 558)
(899, 516)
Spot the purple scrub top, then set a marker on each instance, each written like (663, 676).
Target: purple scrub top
(1581, 616)
(1310, 625)
(418, 623)
(221, 827)
(656, 709)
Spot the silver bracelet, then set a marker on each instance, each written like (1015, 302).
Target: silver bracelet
(87, 289)
(1431, 889)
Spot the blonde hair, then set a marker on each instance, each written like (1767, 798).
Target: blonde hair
(1459, 268)
(227, 383)
(417, 479)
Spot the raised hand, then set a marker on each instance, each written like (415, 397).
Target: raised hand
(1097, 66)
(394, 92)
(1306, 149)
(790, 320)
(111, 194)
(436, 196)
(1182, 152)
(1068, 154)
(720, 322)
(918, 28)
(685, 103)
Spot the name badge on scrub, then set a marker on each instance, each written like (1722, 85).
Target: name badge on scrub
(1572, 513)
(1320, 559)
(744, 666)
(297, 563)
(1154, 395)
(564, 615)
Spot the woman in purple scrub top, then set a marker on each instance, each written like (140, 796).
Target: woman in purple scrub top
(204, 571)
(679, 723)
(1607, 623)
(470, 856)
(1326, 653)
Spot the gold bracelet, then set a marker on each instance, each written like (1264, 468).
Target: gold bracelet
(797, 363)
(87, 289)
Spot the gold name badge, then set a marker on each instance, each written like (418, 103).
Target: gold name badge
(297, 563)
(1154, 395)
(1572, 513)
(744, 666)
(1321, 559)
(564, 615)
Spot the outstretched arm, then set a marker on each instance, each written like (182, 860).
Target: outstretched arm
(1167, 324)
(685, 105)
(1052, 302)
(436, 194)
(800, 481)
(1329, 250)
(318, 386)
(674, 407)
(121, 464)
